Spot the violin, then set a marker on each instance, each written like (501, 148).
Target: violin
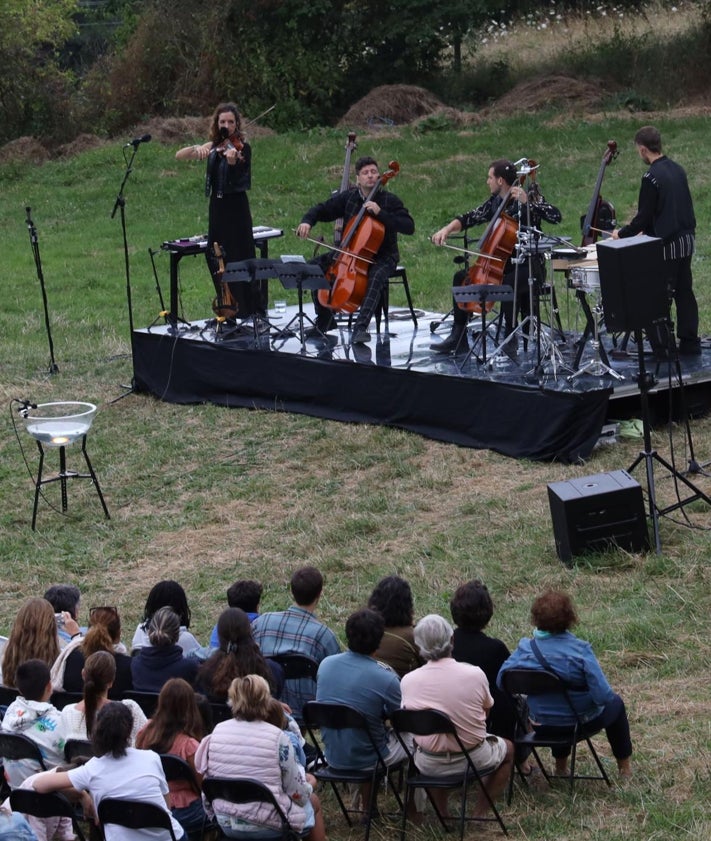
(230, 142)
(362, 238)
(224, 304)
(601, 213)
(345, 183)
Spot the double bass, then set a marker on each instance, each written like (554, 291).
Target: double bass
(601, 213)
(362, 237)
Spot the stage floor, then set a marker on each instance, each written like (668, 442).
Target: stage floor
(396, 379)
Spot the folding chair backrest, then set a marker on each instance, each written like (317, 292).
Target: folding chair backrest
(176, 768)
(61, 699)
(74, 748)
(8, 694)
(296, 665)
(17, 746)
(537, 682)
(147, 701)
(244, 790)
(134, 814)
(423, 722)
(49, 805)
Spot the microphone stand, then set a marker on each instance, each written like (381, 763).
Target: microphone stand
(120, 204)
(34, 243)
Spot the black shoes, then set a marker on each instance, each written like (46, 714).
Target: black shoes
(359, 336)
(690, 347)
(456, 341)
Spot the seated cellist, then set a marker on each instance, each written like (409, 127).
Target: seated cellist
(383, 206)
(501, 181)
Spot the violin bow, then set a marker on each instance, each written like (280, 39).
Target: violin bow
(468, 251)
(339, 250)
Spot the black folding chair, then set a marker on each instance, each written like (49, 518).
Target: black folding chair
(176, 768)
(220, 712)
(61, 699)
(147, 701)
(318, 714)
(247, 790)
(134, 814)
(77, 748)
(297, 667)
(531, 682)
(8, 694)
(429, 723)
(17, 746)
(50, 805)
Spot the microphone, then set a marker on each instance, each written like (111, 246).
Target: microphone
(137, 141)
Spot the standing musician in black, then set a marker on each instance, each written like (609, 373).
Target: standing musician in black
(388, 209)
(500, 180)
(666, 210)
(228, 177)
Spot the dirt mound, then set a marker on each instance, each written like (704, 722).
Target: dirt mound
(173, 130)
(24, 150)
(390, 105)
(548, 92)
(80, 144)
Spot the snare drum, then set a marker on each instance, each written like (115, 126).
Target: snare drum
(585, 278)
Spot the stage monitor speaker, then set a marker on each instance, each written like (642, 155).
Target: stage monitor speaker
(633, 282)
(596, 512)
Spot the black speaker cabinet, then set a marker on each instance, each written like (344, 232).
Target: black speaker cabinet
(633, 282)
(596, 512)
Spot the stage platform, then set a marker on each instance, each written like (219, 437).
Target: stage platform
(525, 404)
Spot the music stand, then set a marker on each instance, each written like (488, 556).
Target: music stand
(482, 293)
(300, 276)
(248, 271)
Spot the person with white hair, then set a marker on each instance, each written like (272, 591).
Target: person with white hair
(462, 692)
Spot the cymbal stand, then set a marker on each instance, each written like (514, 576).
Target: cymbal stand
(650, 456)
(595, 366)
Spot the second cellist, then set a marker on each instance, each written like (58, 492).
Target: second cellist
(505, 194)
(366, 199)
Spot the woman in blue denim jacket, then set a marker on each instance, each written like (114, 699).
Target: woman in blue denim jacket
(554, 648)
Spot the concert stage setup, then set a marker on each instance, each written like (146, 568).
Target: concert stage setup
(511, 404)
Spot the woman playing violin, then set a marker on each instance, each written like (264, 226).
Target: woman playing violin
(384, 206)
(227, 180)
(501, 181)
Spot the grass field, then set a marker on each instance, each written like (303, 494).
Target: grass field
(205, 494)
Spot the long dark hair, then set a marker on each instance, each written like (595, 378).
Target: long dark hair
(392, 598)
(167, 593)
(177, 713)
(112, 732)
(99, 674)
(237, 656)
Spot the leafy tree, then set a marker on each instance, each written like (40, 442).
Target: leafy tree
(34, 89)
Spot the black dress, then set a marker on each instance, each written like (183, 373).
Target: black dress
(230, 225)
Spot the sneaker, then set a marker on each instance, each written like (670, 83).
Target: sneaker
(359, 336)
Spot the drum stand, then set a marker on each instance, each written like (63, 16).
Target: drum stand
(596, 367)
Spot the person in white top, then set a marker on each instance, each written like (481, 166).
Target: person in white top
(77, 720)
(116, 771)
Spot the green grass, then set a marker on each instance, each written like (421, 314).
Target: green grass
(206, 494)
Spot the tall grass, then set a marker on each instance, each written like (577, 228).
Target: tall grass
(206, 494)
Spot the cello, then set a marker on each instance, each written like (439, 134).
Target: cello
(601, 213)
(495, 246)
(362, 237)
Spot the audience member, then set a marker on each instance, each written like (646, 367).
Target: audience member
(248, 746)
(168, 594)
(176, 728)
(355, 678)
(77, 720)
(296, 630)
(245, 594)
(462, 692)
(237, 655)
(280, 718)
(64, 598)
(103, 634)
(554, 648)
(116, 771)
(472, 609)
(31, 714)
(153, 664)
(13, 825)
(392, 598)
(33, 636)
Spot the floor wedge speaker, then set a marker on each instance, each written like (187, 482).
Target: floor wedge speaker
(595, 512)
(633, 282)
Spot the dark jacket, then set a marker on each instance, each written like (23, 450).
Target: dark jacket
(153, 666)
